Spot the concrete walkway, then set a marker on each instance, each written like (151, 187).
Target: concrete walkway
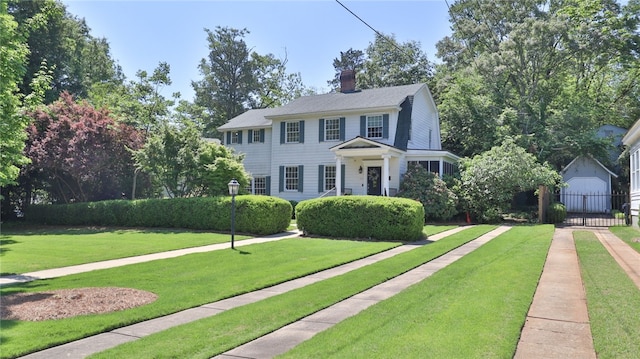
(63, 271)
(97, 343)
(557, 325)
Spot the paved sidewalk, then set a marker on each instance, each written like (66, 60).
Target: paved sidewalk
(59, 272)
(557, 324)
(627, 257)
(100, 342)
(288, 337)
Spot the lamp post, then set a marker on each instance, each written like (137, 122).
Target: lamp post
(233, 191)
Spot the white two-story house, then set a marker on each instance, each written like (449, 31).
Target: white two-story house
(349, 142)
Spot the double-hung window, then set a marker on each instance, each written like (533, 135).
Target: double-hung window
(329, 177)
(332, 129)
(256, 136)
(292, 134)
(260, 185)
(235, 137)
(291, 178)
(374, 126)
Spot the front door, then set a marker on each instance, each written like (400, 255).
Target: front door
(374, 181)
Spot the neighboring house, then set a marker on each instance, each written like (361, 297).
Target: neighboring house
(359, 142)
(614, 133)
(632, 141)
(589, 185)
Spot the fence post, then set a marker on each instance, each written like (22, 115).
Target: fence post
(543, 203)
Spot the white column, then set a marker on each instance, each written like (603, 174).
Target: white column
(338, 175)
(441, 168)
(385, 175)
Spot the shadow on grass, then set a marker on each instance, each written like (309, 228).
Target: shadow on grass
(33, 230)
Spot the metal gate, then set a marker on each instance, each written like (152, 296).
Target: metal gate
(596, 209)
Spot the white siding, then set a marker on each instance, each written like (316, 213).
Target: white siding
(257, 159)
(425, 118)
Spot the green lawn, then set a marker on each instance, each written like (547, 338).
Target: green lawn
(629, 234)
(474, 308)
(180, 283)
(23, 251)
(214, 335)
(613, 300)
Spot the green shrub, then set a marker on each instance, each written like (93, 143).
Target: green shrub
(424, 186)
(380, 218)
(556, 213)
(254, 214)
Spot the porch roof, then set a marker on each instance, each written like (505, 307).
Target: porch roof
(363, 147)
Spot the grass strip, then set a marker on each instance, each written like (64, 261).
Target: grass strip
(432, 229)
(629, 234)
(474, 308)
(26, 251)
(214, 335)
(180, 283)
(613, 300)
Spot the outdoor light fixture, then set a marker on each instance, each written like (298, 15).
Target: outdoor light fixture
(360, 170)
(233, 191)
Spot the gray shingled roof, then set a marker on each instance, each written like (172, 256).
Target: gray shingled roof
(249, 119)
(385, 97)
(336, 102)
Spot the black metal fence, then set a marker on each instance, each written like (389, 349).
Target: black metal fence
(596, 209)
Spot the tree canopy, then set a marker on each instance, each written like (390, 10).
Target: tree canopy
(547, 73)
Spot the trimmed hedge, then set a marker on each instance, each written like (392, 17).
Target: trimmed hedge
(380, 218)
(254, 214)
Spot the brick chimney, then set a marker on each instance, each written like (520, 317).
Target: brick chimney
(348, 81)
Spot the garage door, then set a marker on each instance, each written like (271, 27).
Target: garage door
(586, 193)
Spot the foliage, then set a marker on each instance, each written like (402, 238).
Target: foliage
(545, 73)
(13, 54)
(186, 165)
(556, 213)
(418, 183)
(387, 63)
(54, 36)
(490, 180)
(254, 214)
(82, 154)
(381, 218)
(235, 79)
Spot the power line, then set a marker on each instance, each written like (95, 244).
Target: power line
(374, 30)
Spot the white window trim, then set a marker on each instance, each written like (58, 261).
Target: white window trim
(287, 132)
(286, 179)
(326, 170)
(235, 136)
(371, 127)
(327, 129)
(256, 136)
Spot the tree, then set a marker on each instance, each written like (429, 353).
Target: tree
(235, 79)
(349, 60)
(82, 154)
(54, 36)
(185, 165)
(13, 54)
(546, 68)
(439, 201)
(489, 181)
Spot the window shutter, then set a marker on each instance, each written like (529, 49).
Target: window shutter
(321, 130)
(282, 134)
(342, 128)
(300, 178)
(301, 131)
(342, 177)
(267, 181)
(262, 135)
(363, 126)
(281, 179)
(385, 125)
(320, 178)
(228, 137)
(239, 137)
(249, 136)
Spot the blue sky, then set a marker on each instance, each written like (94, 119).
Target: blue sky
(310, 34)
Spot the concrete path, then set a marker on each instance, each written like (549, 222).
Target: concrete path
(100, 342)
(59, 272)
(627, 257)
(286, 338)
(557, 324)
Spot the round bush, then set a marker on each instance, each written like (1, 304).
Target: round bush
(371, 217)
(556, 213)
